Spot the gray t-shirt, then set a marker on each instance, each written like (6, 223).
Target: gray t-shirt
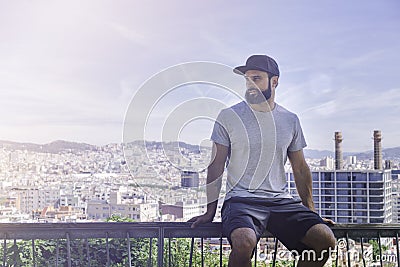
(258, 144)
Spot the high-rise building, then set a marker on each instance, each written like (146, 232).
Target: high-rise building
(377, 150)
(388, 164)
(396, 194)
(352, 196)
(328, 163)
(338, 151)
(189, 179)
(351, 160)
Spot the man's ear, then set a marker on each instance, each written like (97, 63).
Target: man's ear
(274, 81)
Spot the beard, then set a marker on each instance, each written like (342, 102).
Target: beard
(258, 96)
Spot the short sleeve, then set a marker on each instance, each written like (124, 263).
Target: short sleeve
(220, 134)
(298, 141)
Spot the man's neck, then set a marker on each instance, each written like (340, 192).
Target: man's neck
(264, 106)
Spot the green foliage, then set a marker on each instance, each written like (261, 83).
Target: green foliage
(180, 253)
(94, 250)
(283, 263)
(82, 251)
(375, 248)
(117, 218)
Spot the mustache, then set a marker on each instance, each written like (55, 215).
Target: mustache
(253, 89)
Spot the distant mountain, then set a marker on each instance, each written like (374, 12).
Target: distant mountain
(390, 153)
(53, 147)
(174, 146)
(61, 145)
(387, 153)
(317, 154)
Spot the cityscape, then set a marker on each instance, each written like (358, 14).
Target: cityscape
(71, 182)
(66, 182)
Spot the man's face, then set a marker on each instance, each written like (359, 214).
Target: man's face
(257, 80)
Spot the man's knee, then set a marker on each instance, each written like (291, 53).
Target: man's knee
(320, 237)
(243, 241)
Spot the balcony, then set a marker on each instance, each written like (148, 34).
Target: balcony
(158, 244)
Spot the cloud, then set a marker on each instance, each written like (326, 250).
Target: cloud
(324, 109)
(133, 35)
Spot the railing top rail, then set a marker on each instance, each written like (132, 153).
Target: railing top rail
(154, 229)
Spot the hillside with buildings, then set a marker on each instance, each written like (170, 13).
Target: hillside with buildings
(154, 181)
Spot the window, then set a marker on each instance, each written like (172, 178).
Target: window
(375, 177)
(342, 176)
(343, 185)
(359, 177)
(376, 213)
(344, 206)
(376, 192)
(343, 199)
(359, 185)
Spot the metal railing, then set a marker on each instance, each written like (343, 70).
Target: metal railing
(159, 239)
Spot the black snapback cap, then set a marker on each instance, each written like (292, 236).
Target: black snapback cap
(259, 62)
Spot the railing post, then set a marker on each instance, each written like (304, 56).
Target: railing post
(337, 255)
(202, 252)
(160, 255)
(107, 250)
(129, 249)
(169, 252)
(15, 252)
(87, 252)
(397, 249)
(255, 256)
(275, 252)
(150, 259)
(4, 249)
(191, 252)
(380, 248)
(57, 252)
(69, 261)
(33, 253)
(348, 250)
(220, 251)
(362, 252)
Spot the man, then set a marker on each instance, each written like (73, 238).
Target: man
(255, 138)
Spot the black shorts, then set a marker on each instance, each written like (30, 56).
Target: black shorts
(287, 219)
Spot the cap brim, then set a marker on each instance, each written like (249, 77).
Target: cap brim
(241, 70)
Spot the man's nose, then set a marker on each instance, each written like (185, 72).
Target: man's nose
(250, 84)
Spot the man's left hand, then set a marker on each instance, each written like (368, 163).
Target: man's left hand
(328, 221)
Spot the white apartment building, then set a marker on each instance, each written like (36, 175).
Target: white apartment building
(29, 199)
(185, 210)
(136, 209)
(69, 200)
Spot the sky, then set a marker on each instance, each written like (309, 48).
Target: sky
(70, 69)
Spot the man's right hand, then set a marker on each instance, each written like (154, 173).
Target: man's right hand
(201, 219)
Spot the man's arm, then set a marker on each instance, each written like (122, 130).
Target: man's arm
(302, 177)
(214, 180)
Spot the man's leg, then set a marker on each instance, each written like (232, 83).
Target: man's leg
(243, 242)
(320, 239)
